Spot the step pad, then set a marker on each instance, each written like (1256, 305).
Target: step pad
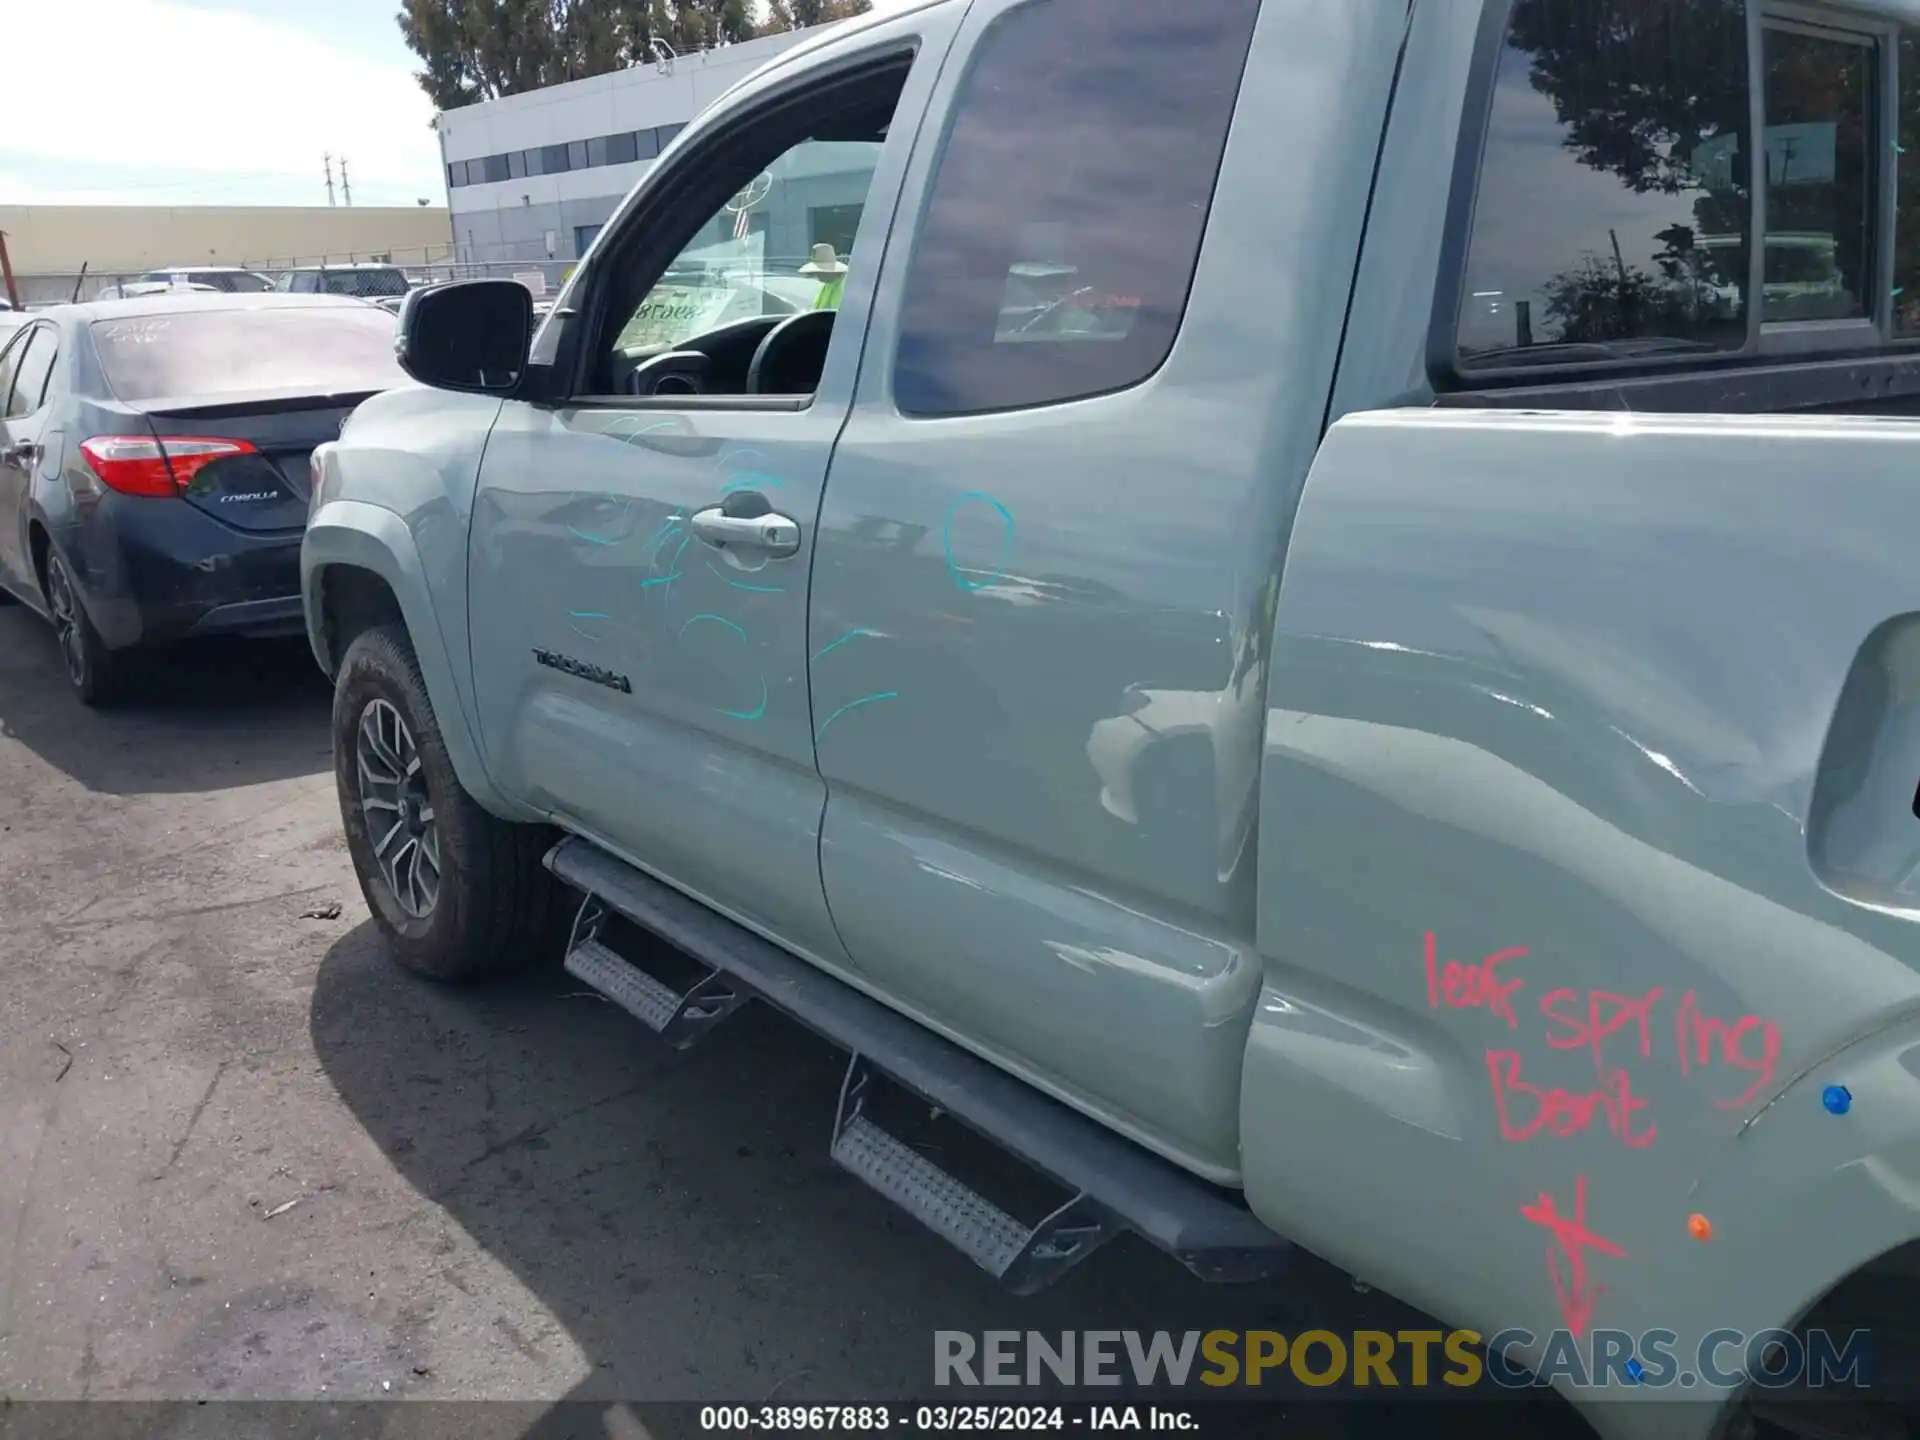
(1024, 1258)
(981, 1230)
(628, 986)
(678, 1017)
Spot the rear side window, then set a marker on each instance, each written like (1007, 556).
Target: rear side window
(1614, 213)
(203, 354)
(30, 379)
(1066, 215)
(234, 282)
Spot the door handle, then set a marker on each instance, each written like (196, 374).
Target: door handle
(775, 534)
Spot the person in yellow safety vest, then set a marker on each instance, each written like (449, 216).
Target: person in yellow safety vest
(826, 267)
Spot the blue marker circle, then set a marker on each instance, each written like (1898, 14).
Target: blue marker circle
(1837, 1098)
(1636, 1372)
(960, 577)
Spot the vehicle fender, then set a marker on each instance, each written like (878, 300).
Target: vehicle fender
(371, 537)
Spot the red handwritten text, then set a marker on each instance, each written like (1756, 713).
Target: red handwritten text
(1689, 1025)
(1465, 987)
(1567, 1262)
(1526, 1109)
(1606, 1014)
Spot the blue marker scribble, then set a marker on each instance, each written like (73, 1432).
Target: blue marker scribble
(607, 536)
(756, 713)
(835, 644)
(716, 619)
(578, 621)
(752, 480)
(648, 429)
(1006, 542)
(855, 705)
(743, 585)
(660, 536)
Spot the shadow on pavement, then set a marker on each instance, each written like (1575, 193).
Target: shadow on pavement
(203, 717)
(678, 1214)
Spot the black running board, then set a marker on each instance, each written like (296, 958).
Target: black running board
(1115, 1184)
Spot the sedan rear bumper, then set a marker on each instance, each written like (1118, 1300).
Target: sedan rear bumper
(152, 571)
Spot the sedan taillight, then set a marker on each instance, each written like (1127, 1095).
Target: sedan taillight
(155, 467)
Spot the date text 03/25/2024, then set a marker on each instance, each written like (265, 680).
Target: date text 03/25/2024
(944, 1418)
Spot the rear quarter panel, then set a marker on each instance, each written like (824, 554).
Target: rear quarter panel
(1632, 703)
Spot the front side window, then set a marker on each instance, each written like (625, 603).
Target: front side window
(1067, 211)
(1614, 212)
(754, 256)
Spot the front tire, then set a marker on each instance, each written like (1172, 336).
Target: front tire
(97, 674)
(460, 893)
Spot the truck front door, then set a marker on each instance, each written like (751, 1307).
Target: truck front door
(640, 549)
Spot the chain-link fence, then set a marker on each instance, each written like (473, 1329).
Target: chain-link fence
(381, 277)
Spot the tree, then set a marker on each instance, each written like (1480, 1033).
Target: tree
(1638, 83)
(798, 14)
(474, 50)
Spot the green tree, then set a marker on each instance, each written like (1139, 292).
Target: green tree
(474, 50)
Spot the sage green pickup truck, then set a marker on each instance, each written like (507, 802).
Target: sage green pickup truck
(1297, 650)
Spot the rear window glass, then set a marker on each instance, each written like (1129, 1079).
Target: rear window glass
(209, 353)
(1614, 217)
(365, 282)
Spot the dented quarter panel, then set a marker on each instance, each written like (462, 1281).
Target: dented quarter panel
(1566, 685)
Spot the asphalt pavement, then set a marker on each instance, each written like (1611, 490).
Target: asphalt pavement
(243, 1156)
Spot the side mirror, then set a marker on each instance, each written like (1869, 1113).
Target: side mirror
(470, 335)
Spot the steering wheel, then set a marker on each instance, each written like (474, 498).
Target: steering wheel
(790, 359)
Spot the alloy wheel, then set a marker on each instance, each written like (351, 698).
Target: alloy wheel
(397, 808)
(66, 620)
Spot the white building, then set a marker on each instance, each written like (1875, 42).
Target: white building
(531, 178)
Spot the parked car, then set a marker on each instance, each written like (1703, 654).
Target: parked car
(135, 289)
(362, 281)
(1325, 703)
(153, 463)
(228, 279)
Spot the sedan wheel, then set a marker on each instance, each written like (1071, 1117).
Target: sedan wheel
(67, 622)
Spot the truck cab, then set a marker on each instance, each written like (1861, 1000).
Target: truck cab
(1311, 648)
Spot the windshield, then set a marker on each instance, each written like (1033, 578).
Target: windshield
(209, 353)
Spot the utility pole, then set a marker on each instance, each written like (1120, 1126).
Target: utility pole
(6, 273)
(346, 189)
(327, 160)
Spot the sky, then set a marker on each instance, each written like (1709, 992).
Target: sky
(213, 102)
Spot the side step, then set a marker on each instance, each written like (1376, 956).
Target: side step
(1114, 1183)
(677, 1017)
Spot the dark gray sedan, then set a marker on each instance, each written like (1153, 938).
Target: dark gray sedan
(153, 463)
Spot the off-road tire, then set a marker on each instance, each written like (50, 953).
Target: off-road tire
(497, 908)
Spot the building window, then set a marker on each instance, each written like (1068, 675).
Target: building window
(621, 149)
(646, 144)
(596, 152)
(577, 155)
(456, 174)
(516, 165)
(833, 225)
(583, 237)
(553, 160)
(1067, 211)
(665, 134)
(496, 168)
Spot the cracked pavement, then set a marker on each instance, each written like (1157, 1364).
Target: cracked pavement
(243, 1156)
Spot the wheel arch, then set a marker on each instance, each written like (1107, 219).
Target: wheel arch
(359, 566)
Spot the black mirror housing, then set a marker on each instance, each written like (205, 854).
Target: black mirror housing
(469, 335)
